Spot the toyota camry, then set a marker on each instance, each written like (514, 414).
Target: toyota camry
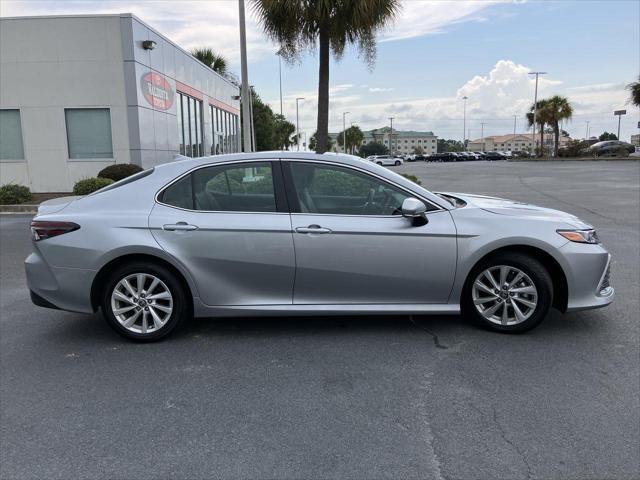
(290, 233)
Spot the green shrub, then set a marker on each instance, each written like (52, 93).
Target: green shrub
(119, 171)
(413, 178)
(90, 185)
(12, 194)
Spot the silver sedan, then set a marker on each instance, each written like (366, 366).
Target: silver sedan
(285, 233)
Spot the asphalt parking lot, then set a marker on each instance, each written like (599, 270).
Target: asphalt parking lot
(382, 397)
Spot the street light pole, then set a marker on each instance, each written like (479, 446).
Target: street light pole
(464, 122)
(482, 124)
(535, 109)
(298, 122)
(344, 132)
(244, 93)
(515, 118)
(587, 134)
(391, 134)
(280, 75)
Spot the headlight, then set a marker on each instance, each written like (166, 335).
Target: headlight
(580, 236)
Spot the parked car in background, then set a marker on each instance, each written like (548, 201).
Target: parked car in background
(493, 156)
(293, 233)
(614, 148)
(420, 158)
(521, 154)
(443, 157)
(386, 160)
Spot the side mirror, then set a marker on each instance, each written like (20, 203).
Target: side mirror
(414, 209)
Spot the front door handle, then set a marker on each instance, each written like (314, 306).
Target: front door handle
(179, 227)
(313, 229)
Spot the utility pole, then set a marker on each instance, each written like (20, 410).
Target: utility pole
(391, 134)
(535, 109)
(344, 132)
(244, 93)
(298, 122)
(280, 74)
(587, 134)
(482, 124)
(464, 122)
(515, 118)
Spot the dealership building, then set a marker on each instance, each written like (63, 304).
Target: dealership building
(79, 93)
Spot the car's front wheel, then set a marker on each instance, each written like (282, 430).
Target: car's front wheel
(144, 302)
(509, 292)
(397, 162)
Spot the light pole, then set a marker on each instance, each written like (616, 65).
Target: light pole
(535, 109)
(464, 121)
(244, 93)
(587, 134)
(298, 122)
(280, 75)
(391, 134)
(482, 124)
(344, 132)
(515, 119)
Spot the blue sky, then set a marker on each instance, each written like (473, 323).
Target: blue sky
(435, 53)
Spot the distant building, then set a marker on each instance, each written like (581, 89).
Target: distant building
(400, 141)
(511, 142)
(635, 139)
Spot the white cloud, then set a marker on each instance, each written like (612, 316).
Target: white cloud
(421, 17)
(506, 90)
(381, 89)
(215, 23)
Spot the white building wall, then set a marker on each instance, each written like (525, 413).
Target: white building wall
(47, 65)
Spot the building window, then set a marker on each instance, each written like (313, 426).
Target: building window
(88, 133)
(224, 126)
(190, 139)
(11, 135)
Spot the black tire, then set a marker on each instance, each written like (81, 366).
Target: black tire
(379, 163)
(397, 163)
(182, 302)
(531, 267)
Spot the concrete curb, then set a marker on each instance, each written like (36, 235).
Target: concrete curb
(18, 209)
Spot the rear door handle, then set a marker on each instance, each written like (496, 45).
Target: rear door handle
(313, 229)
(179, 227)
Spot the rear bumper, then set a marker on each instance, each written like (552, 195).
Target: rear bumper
(58, 287)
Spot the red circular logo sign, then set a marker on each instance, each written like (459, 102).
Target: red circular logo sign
(157, 90)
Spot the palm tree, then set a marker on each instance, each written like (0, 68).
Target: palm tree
(211, 59)
(557, 109)
(541, 119)
(298, 25)
(634, 87)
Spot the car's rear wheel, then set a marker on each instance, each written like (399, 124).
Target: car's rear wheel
(397, 162)
(144, 302)
(508, 292)
(379, 163)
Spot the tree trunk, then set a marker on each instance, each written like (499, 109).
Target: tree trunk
(556, 136)
(323, 93)
(541, 140)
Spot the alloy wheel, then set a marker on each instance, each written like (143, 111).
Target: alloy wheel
(504, 295)
(141, 303)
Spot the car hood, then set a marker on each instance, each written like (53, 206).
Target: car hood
(501, 206)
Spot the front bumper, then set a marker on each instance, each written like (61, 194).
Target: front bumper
(588, 271)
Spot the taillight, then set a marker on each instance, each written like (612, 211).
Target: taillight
(41, 230)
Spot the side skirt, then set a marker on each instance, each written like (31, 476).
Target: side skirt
(201, 310)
